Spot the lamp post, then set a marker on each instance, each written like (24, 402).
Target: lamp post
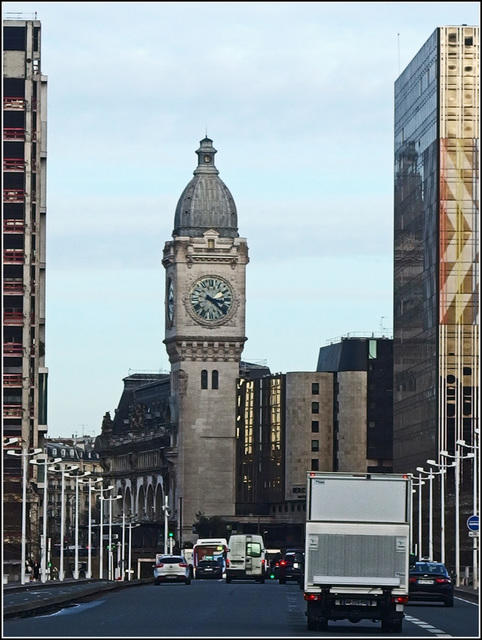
(475, 447)
(77, 477)
(110, 501)
(24, 455)
(131, 526)
(443, 470)
(43, 545)
(101, 551)
(457, 458)
(429, 475)
(63, 471)
(91, 482)
(418, 485)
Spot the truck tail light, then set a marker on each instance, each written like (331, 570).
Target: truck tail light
(312, 596)
(400, 599)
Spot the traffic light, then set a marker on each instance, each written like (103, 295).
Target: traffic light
(171, 534)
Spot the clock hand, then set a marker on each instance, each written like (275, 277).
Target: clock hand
(218, 303)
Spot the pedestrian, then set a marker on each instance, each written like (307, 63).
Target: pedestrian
(36, 570)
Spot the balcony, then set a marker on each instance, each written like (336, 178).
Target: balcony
(14, 164)
(13, 256)
(12, 317)
(12, 349)
(12, 225)
(12, 410)
(13, 287)
(14, 104)
(12, 380)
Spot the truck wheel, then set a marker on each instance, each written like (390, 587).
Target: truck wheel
(312, 624)
(228, 579)
(322, 624)
(397, 625)
(282, 581)
(386, 625)
(261, 580)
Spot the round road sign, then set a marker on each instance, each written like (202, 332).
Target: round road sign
(473, 523)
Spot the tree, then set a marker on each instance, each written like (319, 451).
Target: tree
(210, 527)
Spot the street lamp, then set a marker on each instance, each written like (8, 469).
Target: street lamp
(23, 454)
(63, 471)
(419, 486)
(110, 501)
(43, 546)
(101, 550)
(131, 526)
(91, 482)
(457, 458)
(443, 471)
(462, 443)
(430, 475)
(77, 476)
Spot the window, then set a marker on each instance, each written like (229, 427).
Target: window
(314, 465)
(204, 379)
(315, 445)
(315, 426)
(215, 380)
(315, 407)
(315, 388)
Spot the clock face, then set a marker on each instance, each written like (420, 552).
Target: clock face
(211, 298)
(170, 301)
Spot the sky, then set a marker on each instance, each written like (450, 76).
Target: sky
(298, 100)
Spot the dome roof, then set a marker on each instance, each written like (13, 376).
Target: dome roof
(206, 203)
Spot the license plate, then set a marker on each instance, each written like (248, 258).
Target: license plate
(425, 581)
(357, 603)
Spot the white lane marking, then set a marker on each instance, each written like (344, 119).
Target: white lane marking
(438, 633)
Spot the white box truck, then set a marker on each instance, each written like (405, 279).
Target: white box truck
(357, 548)
(246, 558)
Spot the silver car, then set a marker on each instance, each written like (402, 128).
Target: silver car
(170, 568)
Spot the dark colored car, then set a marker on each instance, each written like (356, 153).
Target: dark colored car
(430, 581)
(209, 569)
(291, 567)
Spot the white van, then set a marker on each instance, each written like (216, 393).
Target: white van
(246, 558)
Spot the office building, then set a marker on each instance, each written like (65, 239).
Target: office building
(437, 255)
(24, 262)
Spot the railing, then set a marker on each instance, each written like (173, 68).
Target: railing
(13, 164)
(12, 411)
(14, 104)
(13, 287)
(12, 379)
(12, 317)
(16, 133)
(13, 256)
(13, 225)
(12, 349)
(13, 195)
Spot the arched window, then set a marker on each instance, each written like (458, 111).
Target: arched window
(215, 379)
(204, 379)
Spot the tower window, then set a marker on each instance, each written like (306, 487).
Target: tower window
(315, 426)
(315, 445)
(215, 379)
(315, 388)
(315, 407)
(315, 465)
(204, 379)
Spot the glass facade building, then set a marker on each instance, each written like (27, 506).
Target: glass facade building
(436, 248)
(437, 262)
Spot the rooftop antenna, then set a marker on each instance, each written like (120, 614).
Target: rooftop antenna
(398, 36)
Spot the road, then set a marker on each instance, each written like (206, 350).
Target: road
(214, 609)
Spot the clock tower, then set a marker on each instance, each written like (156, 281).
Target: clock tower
(205, 295)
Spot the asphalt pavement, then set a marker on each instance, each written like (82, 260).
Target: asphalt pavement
(37, 597)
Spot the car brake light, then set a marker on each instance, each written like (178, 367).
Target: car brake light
(282, 563)
(442, 580)
(158, 566)
(183, 564)
(412, 580)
